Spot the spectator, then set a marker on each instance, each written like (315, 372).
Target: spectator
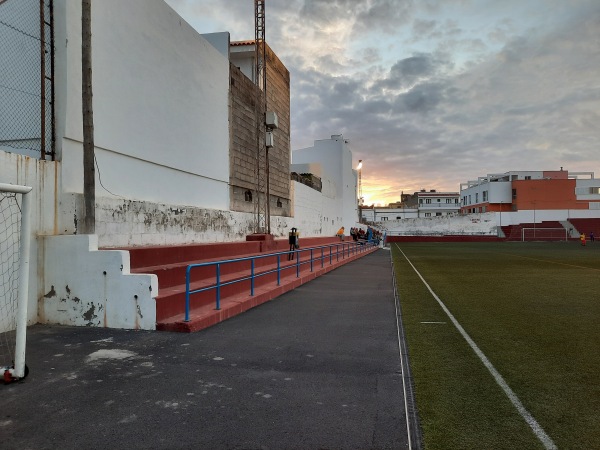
(340, 234)
(294, 242)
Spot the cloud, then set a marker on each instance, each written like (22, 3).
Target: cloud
(434, 93)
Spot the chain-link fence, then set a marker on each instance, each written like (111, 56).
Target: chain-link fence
(26, 77)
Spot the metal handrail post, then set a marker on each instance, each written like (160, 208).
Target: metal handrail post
(322, 258)
(252, 277)
(187, 294)
(298, 265)
(330, 254)
(278, 270)
(311, 259)
(218, 286)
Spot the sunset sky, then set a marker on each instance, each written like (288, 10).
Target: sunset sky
(432, 93)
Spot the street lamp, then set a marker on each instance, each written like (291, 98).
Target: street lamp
(360, 196)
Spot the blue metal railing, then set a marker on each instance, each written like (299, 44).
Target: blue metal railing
(343, 250)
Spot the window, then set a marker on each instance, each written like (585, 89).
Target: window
(448, 200)
(438, 214)
(384, 218)
(485, 197)
(428, 200)
(427, 214)
(421, 201)
(469, 199)
(455, 200)
(528, 177)
(514, 194)
(248, 196)
(476, 197)
(439, 200)
(398, 217)
(279, 204)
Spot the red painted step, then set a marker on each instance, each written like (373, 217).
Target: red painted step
(170, 265)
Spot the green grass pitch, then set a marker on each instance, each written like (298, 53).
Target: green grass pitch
(534, 311)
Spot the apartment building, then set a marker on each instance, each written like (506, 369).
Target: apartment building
(420, 204)
(531, 190)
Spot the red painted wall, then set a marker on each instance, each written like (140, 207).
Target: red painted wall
(546, 194)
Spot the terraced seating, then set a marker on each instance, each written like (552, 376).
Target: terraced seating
(171, 263)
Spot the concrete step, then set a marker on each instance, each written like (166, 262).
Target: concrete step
(205, 314)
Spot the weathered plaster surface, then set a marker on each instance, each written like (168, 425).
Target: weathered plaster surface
(86, 287)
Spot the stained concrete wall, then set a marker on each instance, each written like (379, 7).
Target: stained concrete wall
(129, 223)
(42, 176)
(478, 223)
(86, 287)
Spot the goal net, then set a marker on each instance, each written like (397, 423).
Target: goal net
(14, 279)
(544, 234)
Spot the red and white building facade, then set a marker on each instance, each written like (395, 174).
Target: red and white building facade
(549, 190)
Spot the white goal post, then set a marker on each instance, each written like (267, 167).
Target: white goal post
(15, 237)
(544, 234)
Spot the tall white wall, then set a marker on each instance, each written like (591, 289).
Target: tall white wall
(335, 158)
(315, 212)
(481, 224)
(160, 104)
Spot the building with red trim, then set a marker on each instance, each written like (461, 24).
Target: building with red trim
(548, 190)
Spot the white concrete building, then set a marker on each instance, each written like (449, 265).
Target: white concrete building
(533, 196)
(335, 158)
(373, 214)
(436, 204)
(420, 204)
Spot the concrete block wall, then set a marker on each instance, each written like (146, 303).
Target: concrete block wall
(278, 100)
(244, 96)
(243, 127)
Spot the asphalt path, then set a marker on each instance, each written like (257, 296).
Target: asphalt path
(318, 367)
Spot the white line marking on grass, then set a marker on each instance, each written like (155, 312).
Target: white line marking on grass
(434, 322)
(535, 426)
